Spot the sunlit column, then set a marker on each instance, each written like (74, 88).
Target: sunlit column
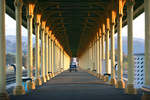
(100, 55)
(95, 54)
(43, 78)
(112, 25)
(37, 18)
(52, 57)
(146, 96)
(107, 48)
(30, 10)
(18, 89)
(54, 65)
(103, 41)
(130, 87)
(3, 93)
(46, 53)
(120, 82)
(49, 55)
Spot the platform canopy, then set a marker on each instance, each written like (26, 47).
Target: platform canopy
(74, 23)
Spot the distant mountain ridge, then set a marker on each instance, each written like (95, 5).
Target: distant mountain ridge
(138, 44)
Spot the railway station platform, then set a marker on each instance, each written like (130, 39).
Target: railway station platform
(76, 86)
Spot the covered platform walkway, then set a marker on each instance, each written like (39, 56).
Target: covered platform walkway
(76, 86)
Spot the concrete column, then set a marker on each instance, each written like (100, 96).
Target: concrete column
(100, 56)
(49, 54)
(54, 66)
(120, 82)
(95, 55)
(146, 96)
(107, 49)
(103, 50)
(37, 18)
(130, 87)
(147, 42)
(18, 89)
(3, 93)
(60, 60)
(46, 53)
(103, 47)
(52, 58)
(63, 60)
(30, 9)
(43, 78)
(112, 25)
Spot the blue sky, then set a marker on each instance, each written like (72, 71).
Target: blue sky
(138, 27)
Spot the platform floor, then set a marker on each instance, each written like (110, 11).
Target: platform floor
(76, 86)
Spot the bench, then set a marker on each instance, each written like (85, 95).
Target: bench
(145, 89)
(24, 79)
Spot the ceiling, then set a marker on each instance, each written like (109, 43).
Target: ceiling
(74, 23)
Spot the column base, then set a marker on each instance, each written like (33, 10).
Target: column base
(47, 77)
(30, 85)
(102, 77)
(145, 96)
(18, 90)
(106, 78)
(50, 75)
(112, 81)
(38, 81)
(53, 75)
(43, 79)
(120, 84)
(4, 96)
(99, 75)
(130, 89)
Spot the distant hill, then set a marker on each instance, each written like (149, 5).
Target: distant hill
(11, 44)
(139, 44)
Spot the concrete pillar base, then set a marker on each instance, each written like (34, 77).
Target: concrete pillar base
(130, 89)
(106, 78)
(99, 75)
(4, 96)
(50, 75)
(102, 77)
(47, 77)
(43, 79)
(112, 81)
(38, 81)
(30, 85)
(145, 96)
(120, 84)
(19, 90)
(53, 75)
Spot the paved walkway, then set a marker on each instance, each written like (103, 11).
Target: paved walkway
(76, 86)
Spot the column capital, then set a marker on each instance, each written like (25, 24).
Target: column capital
(130, 2)
(42, 30)
(18, 3)
(112, 23)
(46, 33)
(107, 29)
(30, 16)
(119, 15)
(36, 24)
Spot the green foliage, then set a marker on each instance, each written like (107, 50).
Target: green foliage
(24, 60)
(10, 58)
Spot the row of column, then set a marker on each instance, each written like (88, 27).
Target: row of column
(96, 50)
(53, 57)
